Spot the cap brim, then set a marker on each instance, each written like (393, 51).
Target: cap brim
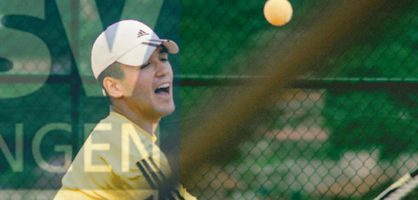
(140, 54)
(171, 46)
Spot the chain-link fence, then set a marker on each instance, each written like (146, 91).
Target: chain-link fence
(346, 132)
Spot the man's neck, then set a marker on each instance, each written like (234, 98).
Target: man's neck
(149, 126)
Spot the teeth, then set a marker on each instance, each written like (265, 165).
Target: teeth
(165, 85)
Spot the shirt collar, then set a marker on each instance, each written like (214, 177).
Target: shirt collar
(123, 119)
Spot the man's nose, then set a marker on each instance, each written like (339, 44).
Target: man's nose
(163, 68)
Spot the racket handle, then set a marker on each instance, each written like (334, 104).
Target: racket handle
(401, 187)
(392, 188)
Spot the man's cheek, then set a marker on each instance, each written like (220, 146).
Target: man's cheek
(130, 89)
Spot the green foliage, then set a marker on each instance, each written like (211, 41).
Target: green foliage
(214, 32)
(363, 120)
(385, 118)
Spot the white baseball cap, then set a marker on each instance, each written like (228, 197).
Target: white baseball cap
(129, 42)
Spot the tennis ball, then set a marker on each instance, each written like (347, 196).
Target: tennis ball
(278, 12)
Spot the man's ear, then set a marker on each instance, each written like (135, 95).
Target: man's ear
(113, 87)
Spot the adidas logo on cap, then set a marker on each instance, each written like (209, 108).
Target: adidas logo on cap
(141, 33)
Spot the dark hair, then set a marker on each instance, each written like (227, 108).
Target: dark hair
(163, 49)
(114, 71)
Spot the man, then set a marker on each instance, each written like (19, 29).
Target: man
(119, 159)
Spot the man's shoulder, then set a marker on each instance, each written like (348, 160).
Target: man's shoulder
(117, 135)
(114, 130)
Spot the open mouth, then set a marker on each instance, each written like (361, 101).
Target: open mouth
(163, 89)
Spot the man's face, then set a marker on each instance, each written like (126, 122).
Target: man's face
(149, 89)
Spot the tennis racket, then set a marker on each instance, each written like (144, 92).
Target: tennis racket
(401, 187)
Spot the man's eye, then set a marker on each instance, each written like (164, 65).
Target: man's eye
(164, 59)
(145, 65)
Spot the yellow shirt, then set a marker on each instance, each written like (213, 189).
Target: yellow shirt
(119, 160)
